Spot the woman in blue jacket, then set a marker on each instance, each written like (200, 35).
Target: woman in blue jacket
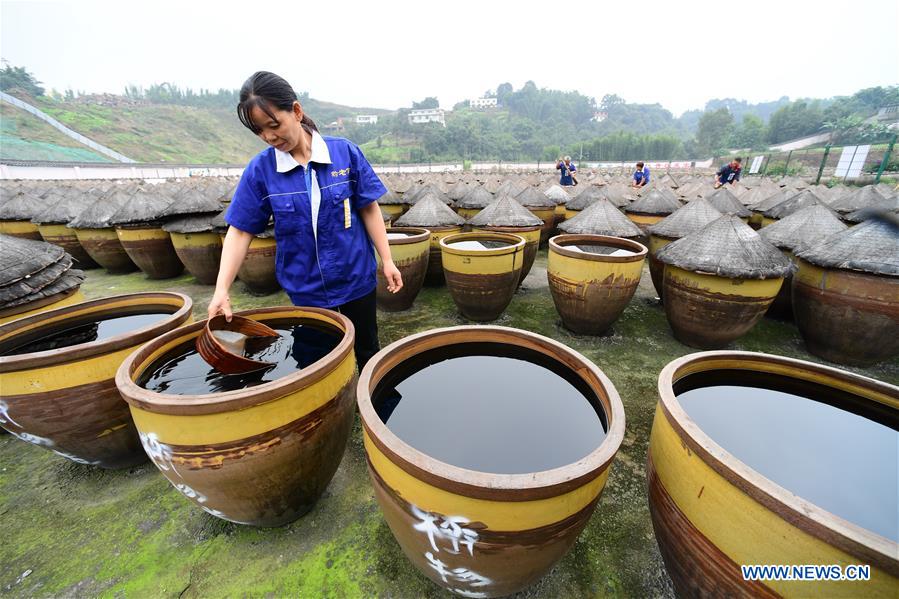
(322, 194)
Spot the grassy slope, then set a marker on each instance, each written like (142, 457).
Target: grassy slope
(168, 133)
(146, 133)
(26, 137)
(160, 133)
(391, 150)
(325, 112)
(81, 531)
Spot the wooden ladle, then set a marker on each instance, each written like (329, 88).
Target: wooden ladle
(226, 354)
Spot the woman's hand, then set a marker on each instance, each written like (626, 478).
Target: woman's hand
(374, 225)
(220, 304)
(234, 250)
(393, 276)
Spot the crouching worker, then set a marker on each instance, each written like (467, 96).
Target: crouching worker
(729, 173)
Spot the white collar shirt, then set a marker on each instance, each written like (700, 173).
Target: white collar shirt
(285, 162)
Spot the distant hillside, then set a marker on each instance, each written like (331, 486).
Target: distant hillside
(25, 137)
(143, 130)
(163, 123)
(737, 108)
(157, 133)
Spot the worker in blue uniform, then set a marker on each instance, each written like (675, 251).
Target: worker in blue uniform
(322, 194)
(567, 175)
(729, 173)
(641, 175)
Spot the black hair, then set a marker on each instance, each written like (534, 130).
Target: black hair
(738, 159)
(639, 164)
(264, 90)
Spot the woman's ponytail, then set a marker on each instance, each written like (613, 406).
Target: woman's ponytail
(263, 90)
(308, 124)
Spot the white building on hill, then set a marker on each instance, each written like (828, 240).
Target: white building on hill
(482, 103)
(366, 119)
(427, 115)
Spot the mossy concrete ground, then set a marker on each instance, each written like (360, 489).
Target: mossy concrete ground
(73, 530)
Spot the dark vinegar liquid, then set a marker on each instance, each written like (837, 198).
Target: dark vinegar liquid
(74, 333)
(184, 372)
(491, 408)
(831, 448)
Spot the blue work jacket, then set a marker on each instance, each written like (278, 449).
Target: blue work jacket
(335, 263)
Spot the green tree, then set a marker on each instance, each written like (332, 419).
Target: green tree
(503, 91)
(853, 129)
(551, 153)
(429, 102)
(629, 146)
(714, 131)
(750, 134)
(610, 101)
(795, 120)
(18, 77)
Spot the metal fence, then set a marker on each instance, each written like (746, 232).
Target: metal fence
(500, 166)
(863, 163)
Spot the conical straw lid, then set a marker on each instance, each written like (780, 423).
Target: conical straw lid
(727, 203)
(21, 258)
(557, 194)
(601, 218)
(619, 194)
(194, 202)
(726, 247)
(145, 206)
(532, 197)
(654, 202)
(754, 196)
(65, 210)
(98, 212)
(589, 196)
(458, 191)
(191, 223)
(432, 189)
(778, 197)
(863, 198)
(872, 246)
(505, 212)
(429, 211)
(798, 201)
(22, 206)
(804, 227)
(476, 199)
(686, 220)
(886, 205)
(391, 199)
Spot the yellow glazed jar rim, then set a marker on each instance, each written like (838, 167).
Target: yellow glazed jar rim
(517, 243)
(414, 235)
(802, 513)
(99, 308)
(504, 487)
(557, 245)
(214, 403)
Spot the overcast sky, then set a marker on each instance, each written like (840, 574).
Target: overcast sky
(387, 54)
